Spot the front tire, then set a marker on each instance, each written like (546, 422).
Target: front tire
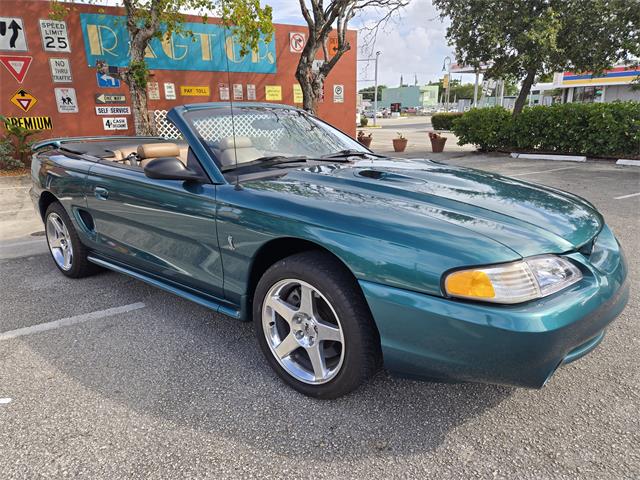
(314, 326)
(67, 251)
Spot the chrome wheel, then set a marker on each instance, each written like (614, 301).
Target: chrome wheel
(59, 241)
(303, 331)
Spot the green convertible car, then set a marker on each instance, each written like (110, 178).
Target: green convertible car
(345, 260)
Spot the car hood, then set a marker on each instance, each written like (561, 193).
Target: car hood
(529, 219)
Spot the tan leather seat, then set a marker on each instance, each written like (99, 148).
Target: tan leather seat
(244, 151)
(149, 151)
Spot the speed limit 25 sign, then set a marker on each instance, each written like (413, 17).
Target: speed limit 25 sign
(55, 37)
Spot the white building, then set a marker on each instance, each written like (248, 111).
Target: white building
(611, 85)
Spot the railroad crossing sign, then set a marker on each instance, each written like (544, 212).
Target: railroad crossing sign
(12, 37)
(24, 100)
(17, 65)
(296, 42)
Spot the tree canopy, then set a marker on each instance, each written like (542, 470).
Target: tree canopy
(525, 38)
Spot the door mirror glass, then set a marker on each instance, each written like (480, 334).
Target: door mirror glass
(171, 168)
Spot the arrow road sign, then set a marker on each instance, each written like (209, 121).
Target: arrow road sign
(106, 81)
(103, 98)
(17, 65)
(296, 42)
(12, 35)
(24, 100)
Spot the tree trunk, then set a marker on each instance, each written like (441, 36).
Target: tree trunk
(310, 83)
(141, 116)
(138, 91)
(524, 92)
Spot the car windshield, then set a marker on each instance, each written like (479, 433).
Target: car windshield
(266, 134)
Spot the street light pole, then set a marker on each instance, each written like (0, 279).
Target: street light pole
(446, 66)
(375, 91)
(475, 92)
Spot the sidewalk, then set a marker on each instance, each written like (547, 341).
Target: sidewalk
(415, 129)
(21, 230)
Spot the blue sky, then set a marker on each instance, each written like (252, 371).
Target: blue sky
(412, 44)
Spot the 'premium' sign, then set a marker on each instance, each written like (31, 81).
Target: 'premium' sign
(31, 123)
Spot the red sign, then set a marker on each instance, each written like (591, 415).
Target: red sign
(296, 42)
(17, 65)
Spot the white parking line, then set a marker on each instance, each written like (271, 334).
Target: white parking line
(65, 322)
(13, 188)
(541, 171)
(627, 196)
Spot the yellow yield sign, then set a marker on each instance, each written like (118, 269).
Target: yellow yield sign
(24, 100)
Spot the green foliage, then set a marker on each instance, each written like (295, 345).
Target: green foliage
(364, 121)
(444, 121)
(249, 21)
(520, 38)
(17, 140)
(592, 129)
(368, 92)
(487, 128)
(139, 73)
(7, 160)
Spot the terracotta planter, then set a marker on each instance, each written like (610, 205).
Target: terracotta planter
(366, 141)
(399, 144)
(437, 143)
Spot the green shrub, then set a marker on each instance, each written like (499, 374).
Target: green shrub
(7, 161)
(487, 128)
(19, 140)
(444, 121)
(364, 121)
(592, 129)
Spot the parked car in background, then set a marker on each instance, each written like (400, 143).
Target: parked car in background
(344, 260)
(370, 114)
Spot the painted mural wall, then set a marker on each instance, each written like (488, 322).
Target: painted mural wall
(48, 79)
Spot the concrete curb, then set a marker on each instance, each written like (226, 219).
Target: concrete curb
(542, 156)
(624, 161)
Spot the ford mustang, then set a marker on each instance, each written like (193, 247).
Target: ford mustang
(345, 260)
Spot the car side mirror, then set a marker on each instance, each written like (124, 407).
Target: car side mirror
(171, 168)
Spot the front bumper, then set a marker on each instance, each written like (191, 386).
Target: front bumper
(424, 336)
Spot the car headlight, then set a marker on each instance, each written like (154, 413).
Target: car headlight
(516, 282)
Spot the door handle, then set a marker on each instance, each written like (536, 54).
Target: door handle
(101, 193)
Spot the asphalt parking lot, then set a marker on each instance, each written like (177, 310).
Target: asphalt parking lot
(163, 388)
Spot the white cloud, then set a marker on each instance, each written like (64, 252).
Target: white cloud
(412, 44)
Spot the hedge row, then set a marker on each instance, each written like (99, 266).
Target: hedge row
(444, 121)
(592, 129)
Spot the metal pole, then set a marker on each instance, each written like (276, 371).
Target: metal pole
(375, 91)
(475, 92)
(448, 83)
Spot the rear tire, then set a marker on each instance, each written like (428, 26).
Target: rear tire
(68, 252)
(314, 325)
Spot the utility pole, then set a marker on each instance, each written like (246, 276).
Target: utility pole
(475, 92)
(446, 66)
(375, 88)
(375, 91)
